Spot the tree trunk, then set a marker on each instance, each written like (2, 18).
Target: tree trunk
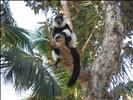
(105, 65)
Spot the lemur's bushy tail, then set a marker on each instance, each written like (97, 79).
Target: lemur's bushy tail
(76, 67)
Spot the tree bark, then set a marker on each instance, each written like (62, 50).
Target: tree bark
(105, 65)
(66, 12)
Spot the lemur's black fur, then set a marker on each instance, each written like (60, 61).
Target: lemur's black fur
(76, 67)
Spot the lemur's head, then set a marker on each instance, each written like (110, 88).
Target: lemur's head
(59, 21)
(58, 37)
(59, 41)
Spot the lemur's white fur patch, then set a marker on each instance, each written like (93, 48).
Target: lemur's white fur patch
(55, 56)
(73, 41)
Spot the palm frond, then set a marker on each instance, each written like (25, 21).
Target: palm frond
(123, 89)
(15, 36)
(123, 81)
(49, 84)
(41, 43)
(6, 15)
(61, 75)
(27, 71)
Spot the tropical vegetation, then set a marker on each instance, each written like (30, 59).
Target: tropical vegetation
(106, 61)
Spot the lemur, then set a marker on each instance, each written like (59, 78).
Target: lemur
(61, 27)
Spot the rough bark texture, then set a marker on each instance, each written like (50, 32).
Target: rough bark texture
(104, 67)
(66, 12)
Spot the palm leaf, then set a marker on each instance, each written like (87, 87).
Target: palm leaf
(15, 36)
(41, 43)
(6, 15)
(27, 71)
(122, 83)
(123, 89)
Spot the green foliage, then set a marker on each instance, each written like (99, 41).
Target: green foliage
(15, 36)
(5, 13)
(126, 88)
(123, 89)
(67, 93)
(27, 71)
(35, 5)
(127, 15)
(38, 5)
(124, 84)
(86, 16)
(87, 58)
(41, 43)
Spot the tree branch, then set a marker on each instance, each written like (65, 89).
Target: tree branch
(66, 12)
(84, 47)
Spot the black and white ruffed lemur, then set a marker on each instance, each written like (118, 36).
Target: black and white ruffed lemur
(61, 27)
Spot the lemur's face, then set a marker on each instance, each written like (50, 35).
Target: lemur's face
(60, 40)
(58, 36)
(59, 20)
